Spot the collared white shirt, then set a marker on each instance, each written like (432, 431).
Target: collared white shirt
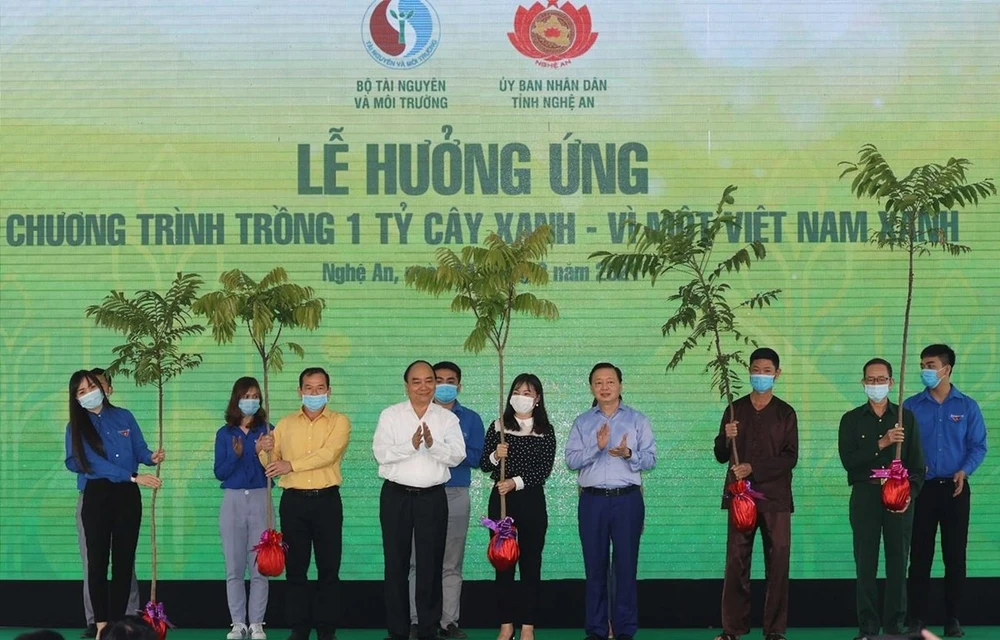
(426, 466)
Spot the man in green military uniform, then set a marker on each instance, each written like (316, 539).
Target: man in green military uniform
(868, 437)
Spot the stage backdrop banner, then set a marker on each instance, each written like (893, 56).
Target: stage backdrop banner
(347, 141)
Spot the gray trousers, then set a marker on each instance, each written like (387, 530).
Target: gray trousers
(88, 608)
(242, 518)
(459, 509)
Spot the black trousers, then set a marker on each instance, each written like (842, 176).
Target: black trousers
(111, 514)
(413, 517)
(518, 601)
(936, 506)
(312, 520)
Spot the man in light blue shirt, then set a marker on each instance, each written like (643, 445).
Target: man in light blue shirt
(953, 436)
(610, 445)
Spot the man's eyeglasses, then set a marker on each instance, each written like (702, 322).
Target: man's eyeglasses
(882, 380)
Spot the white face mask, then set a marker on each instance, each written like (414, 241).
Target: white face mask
(877, 392)
(522, 404)
(91, 400)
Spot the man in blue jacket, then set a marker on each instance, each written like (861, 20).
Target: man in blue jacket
(953, 436)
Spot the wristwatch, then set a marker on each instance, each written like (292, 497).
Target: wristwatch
(134, 477)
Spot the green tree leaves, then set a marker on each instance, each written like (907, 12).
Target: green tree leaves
(678, 245)
(912, 204)
(153, 326)
(263, 308)
(485, 280)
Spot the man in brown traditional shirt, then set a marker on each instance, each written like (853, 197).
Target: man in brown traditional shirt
(764, 430)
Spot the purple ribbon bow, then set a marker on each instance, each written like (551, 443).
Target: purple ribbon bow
(504, 528)
(753, 493)
(156, 613)
(896, 470)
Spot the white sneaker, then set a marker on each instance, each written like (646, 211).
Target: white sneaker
(239, 632)
(257, 631)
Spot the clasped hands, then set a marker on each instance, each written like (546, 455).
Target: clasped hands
(422, 434)
(604, 436)
(266, 443)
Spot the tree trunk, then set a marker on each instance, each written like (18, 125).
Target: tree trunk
(906, 331)
(500, 428)
(152, 508)
(733, 453)
(267, 427)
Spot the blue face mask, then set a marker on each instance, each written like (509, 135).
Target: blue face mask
(445, 393)
(91, 400)
(249, 406)
(314, 403)
(930, 378)
(761, 383)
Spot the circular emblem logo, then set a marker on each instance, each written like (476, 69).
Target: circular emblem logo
(552, 35)
(552, 32)
(401, 34)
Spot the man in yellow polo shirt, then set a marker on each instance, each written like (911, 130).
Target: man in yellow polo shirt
(306, 449)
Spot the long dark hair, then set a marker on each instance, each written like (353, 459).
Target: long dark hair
(540, 416)
(80, 427)
(233, 414)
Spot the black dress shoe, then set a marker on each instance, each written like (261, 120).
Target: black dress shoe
(90, 631)
(326, 635)
(299, 635)
(452, 632)
(916, 626)
(413, 632)
(953, 629)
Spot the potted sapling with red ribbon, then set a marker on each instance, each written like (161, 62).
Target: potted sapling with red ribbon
(681, 244)
(154, 325)
(269, 306)
(911, 222)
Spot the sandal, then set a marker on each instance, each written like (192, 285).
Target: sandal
(726, 636)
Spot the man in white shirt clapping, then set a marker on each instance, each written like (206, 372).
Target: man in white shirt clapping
(416, 443)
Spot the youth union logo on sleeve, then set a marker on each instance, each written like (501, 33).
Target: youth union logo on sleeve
(552, 35)
(401, 34)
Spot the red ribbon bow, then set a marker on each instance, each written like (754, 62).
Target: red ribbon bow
(270, 538)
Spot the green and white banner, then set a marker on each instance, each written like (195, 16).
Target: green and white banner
(347, 141)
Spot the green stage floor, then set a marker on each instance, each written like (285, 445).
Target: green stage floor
(971, 633)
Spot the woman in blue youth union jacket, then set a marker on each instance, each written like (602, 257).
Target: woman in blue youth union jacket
(105, 445)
